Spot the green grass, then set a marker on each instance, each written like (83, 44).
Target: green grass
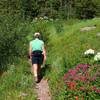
(67, 50)
(65, 47)
(16, 82)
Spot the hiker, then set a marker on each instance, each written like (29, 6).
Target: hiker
(37, 55)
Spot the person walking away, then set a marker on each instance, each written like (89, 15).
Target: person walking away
(37, 55)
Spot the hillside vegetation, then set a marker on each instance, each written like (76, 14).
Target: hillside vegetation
(65, 44)
(69, 28)
(67, 51)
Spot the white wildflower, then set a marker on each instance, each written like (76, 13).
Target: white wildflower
(41, 18)
(89, 52)
(45, 17)
(98, 53)
(36, 18)
(97, 57)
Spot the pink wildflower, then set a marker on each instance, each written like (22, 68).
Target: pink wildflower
(83, 78)
(76, 78)
(94, 88)
(66, 76)
(72, 72)
(98, 91)
(84, 67)
(82, 88)
(93, 78)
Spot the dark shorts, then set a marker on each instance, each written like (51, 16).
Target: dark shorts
(37, 57)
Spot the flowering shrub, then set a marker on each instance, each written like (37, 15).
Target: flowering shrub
(89, 52)
(83, 79)
(97, 57)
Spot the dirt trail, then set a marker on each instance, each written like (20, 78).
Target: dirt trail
(42, 90)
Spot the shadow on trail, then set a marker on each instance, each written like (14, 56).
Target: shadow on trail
(44, 70)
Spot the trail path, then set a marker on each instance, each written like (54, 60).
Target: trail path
(42, 90)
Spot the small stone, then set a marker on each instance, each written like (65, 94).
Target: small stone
(98, 34)
(23, 94)
(89, 28)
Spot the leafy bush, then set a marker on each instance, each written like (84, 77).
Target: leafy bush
(12, 43)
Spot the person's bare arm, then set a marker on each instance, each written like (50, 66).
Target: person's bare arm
(44, 53)
(30, 51)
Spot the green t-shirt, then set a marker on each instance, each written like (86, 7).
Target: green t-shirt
(37, 44)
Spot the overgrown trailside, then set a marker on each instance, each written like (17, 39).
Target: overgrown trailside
(17, 82)
(67, 51)
(65, 45)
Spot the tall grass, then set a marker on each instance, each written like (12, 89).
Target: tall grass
(65, 44)
(67, 51)
(17, 83)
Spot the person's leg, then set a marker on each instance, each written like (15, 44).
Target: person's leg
(39, 69)
(35, 71)
(39, 72)
(40, 61)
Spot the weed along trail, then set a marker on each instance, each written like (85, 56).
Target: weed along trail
(42, 90)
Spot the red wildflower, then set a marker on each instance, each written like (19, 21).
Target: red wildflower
(76, 98)
(71, 85)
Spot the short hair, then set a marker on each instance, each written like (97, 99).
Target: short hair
(37, 35)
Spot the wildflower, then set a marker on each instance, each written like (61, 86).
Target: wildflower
(76, 98)
(98, 91)
(41, 18)
(72, 72)
(84, 67)
(45, 17)
(71, 85)
(36, 18)
(83, 78)
(87, 74)
(89, 52)
(94, 88)
(77, 68)
(76, 78)
(82, 88)
(97, 57)
(66, 76)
